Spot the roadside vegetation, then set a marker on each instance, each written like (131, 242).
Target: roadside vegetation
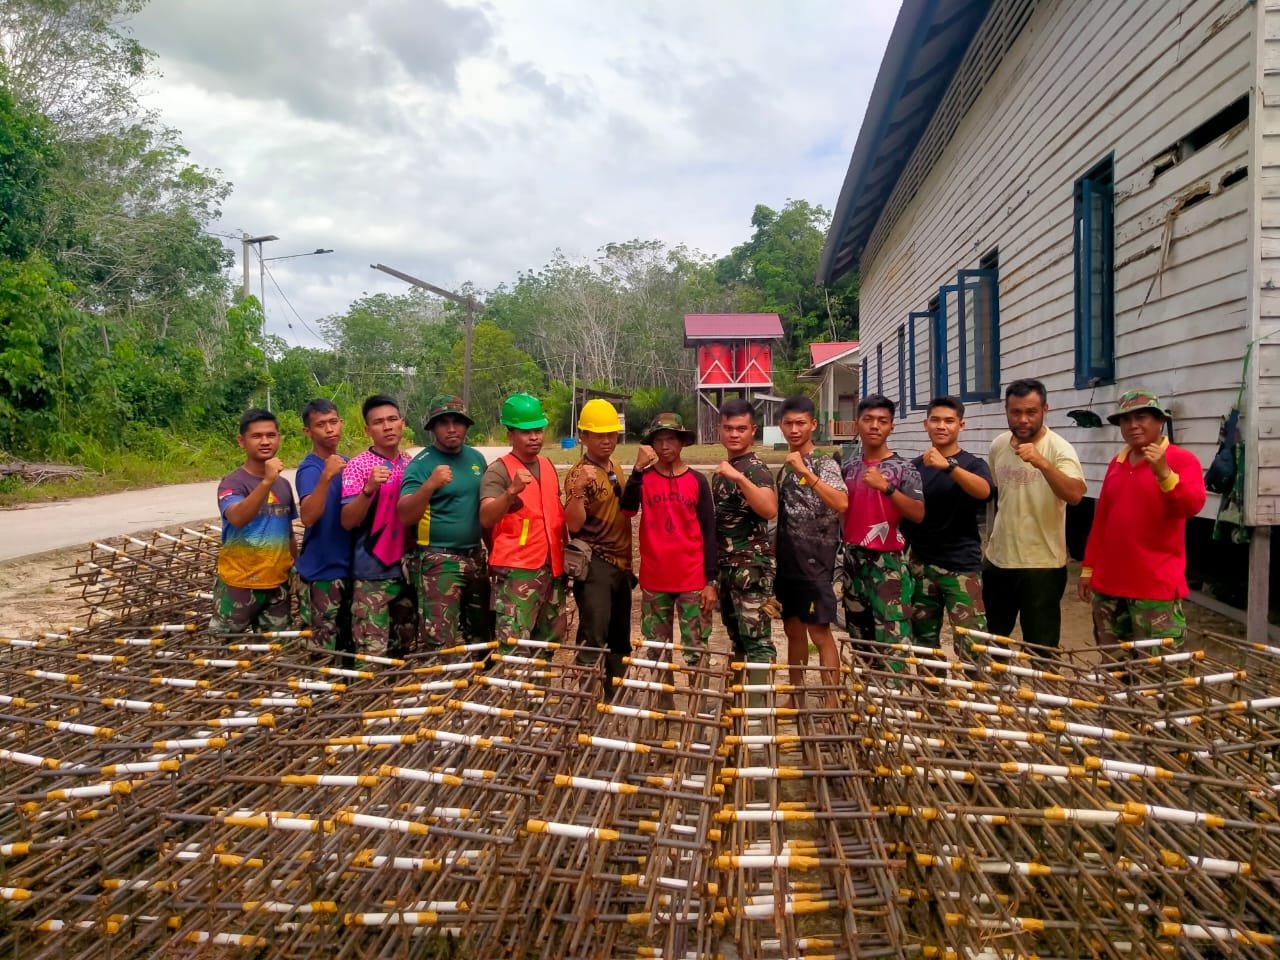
(126, 348)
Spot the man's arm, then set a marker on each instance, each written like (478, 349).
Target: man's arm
(412, 505)
(760, 497)
(829, 488)
(1181, 483)
(1066, 488)
(312, 503)
(494, 508)
(239, 514)
(575, 497)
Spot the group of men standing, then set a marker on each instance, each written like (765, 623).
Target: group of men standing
(405, 554)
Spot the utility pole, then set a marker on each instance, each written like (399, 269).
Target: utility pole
(469, 302)
(573, 396)
(245, 242)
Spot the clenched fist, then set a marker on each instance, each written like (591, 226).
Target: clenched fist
(874, 479)
(380, 474)
(645, 457)
(521, 480)
(795, 460)
(932, 458)
(441, 475)
(333, 465)
(729, 471)
(271, 469)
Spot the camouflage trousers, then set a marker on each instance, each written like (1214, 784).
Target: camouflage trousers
(659, 614)
(246, 610)
(453, 597)
(1118, 618)
(935, 590)
(324, 608)
(383, 618)
(746, 590)
(877, 596)
(528, 605)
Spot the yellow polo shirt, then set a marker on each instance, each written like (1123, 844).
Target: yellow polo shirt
(1030, 527)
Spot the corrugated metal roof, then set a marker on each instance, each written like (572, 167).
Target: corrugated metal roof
(820, 353)
(928, 43)
(732, 326)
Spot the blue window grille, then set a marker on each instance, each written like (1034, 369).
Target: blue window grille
(880, 369)
(1095, 257)
(978, 307)
(864, 385)
(919, 339)
(946, 309)
(902, 367)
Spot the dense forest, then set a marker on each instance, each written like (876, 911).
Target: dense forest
(125, 346)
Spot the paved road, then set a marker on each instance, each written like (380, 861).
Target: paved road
(25, 531)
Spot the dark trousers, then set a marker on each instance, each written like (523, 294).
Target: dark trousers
(1033, 596)
(604, 607)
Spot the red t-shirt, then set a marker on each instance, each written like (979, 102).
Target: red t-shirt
(1137, 545)
(677, 530)
(872, 520)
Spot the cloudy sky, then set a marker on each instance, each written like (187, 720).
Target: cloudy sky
(468, 141)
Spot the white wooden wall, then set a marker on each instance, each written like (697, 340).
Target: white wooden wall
(1264, 456)
(1084, 80)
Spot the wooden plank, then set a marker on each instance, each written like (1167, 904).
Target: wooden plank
(1259, 584)
(1269, 453)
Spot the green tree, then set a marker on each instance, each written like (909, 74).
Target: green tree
(27, 155)
(498, 368)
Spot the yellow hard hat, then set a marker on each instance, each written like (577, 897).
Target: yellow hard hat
(599, 416)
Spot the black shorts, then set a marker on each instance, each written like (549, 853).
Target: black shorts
(809, 601)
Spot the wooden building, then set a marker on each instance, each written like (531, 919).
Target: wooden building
(835, 368)
(734, 359)
(1082, 191)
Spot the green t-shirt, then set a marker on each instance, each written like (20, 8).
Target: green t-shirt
(452, 518)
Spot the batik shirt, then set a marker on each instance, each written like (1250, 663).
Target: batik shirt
(808, 529)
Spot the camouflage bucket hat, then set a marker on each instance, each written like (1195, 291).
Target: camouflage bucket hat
(445, 404)
(673, 422)
(1134, 400)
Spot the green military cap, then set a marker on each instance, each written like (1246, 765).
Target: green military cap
(1134, 400)
(669, 421)
(447, 404)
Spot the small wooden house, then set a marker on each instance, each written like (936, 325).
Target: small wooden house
(835, 368)
(734, 354)
(1087, 193)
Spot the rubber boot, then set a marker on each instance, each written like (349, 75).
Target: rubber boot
(613, 667)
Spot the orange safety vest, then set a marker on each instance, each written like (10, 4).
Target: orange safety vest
(521, 539)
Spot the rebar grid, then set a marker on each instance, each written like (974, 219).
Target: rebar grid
(168, 791)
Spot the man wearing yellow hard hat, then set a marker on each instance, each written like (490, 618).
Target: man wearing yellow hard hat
(593, 515)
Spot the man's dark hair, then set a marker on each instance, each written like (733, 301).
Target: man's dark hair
(737, 408)
(798, 404)
(378, 400)
(876, 401)
(254, 415)
(1022, 388)
(948, 401)
(318, 405)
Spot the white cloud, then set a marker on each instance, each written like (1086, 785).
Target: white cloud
(470, 142)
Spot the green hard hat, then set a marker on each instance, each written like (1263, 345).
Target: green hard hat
(523, 411)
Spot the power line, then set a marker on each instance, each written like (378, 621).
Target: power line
(276, 284)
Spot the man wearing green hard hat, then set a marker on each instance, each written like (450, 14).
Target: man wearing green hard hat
(1134, 573)
(520, 506)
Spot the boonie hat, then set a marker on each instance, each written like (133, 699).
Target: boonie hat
(1134, 400)
(673, 422)
(447, 403)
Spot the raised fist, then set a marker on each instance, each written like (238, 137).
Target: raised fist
(728, 471)
(272, 468)
(380, 474)
(441, 475)
(333, 465)
(795, 461)
(521, 480)
(874, 479)
(645, 457)
(932, 458)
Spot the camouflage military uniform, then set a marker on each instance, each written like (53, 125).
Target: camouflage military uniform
(245, 610)
(384, 619)
(1118, 618)
(746, 562)
(528, 605)
(659, 613)
(877, 595)
(324, 608)
(935, 590)
(453, 596)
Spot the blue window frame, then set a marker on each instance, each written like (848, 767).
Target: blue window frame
(978, 306)
(1095, 270)
(919, 338)
(880, 369)
(863, 378)
(944, 307)
(902, 367)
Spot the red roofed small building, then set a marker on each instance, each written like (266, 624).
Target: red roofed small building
(835, 367)
(735, 359)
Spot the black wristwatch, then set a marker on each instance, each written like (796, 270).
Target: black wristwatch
(952, 463)
(889, 490)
